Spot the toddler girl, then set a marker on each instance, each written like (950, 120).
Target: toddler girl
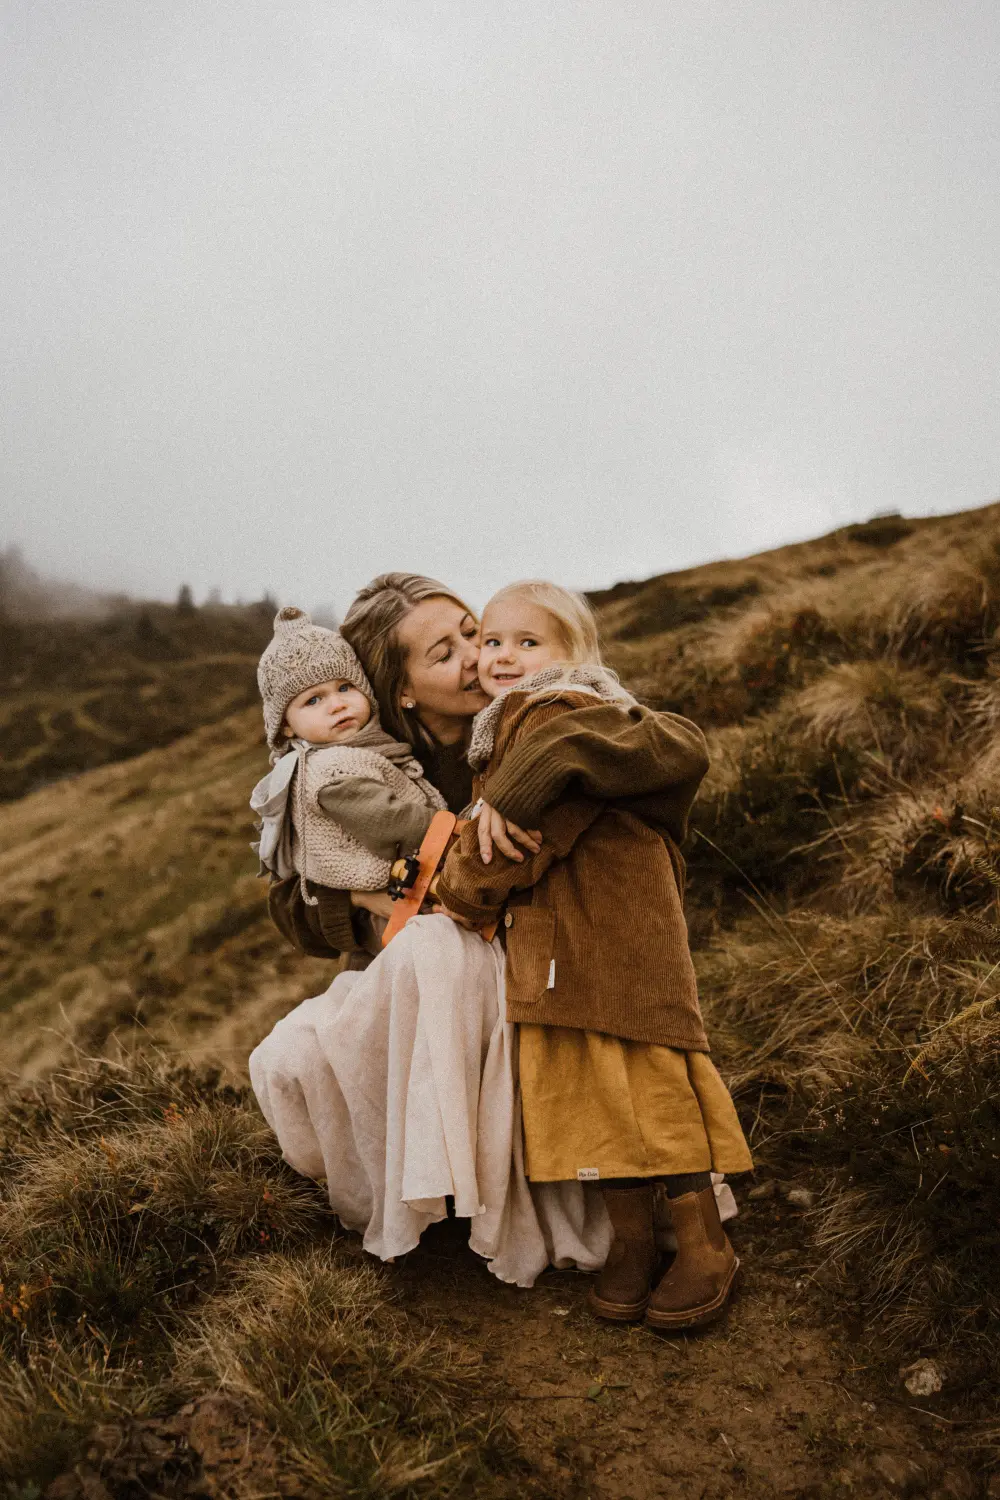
(617, 1085)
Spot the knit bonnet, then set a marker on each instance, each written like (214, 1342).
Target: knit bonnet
(302, 655)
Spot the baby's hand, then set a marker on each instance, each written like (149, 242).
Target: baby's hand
(494, 828)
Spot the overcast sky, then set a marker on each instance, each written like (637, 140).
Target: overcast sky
(295, 292)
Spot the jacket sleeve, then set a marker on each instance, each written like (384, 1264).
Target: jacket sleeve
(649, 763)
(323, 931)
(375, 815)
(478, 892)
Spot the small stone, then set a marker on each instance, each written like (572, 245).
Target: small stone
(902, 1475)
(922, 1378)
(762, 1192)
(800, 1198)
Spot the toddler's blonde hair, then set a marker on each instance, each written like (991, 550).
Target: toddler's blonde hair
(571, 612)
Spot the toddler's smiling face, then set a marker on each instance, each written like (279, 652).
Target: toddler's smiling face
(327, 714)
(518, 638)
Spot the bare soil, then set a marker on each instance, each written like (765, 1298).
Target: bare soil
(774, 1401)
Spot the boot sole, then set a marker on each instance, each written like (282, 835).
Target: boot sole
(618, 1312)
(696, 1317)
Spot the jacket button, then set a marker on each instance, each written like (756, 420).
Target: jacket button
(508, 920)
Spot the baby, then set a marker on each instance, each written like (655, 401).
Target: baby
(332, 763)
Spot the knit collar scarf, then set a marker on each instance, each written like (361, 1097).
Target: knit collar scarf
(547, 683)
(371, 737)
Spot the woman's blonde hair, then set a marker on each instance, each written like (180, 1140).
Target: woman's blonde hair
(571, 612)
(371, 627)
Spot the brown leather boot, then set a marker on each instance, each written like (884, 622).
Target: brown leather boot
(698, 1284)
(622, 1287)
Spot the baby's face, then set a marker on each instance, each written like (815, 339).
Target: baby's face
(517, 639)
(327, 714)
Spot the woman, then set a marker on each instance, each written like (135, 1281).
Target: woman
(384, 1086)
(418, 643)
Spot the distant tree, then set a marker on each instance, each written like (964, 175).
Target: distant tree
(5, 590)
(151, 642)
(185, 600)
(214, 598)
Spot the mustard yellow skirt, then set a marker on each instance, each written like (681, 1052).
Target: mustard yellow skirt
(597, 1106)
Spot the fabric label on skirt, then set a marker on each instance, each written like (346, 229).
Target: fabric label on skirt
(587, 1174)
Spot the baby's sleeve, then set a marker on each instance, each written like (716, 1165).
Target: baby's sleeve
(372, 813)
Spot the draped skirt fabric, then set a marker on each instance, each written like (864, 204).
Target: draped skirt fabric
(399, 1087)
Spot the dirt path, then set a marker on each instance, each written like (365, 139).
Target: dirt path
(773, 1402)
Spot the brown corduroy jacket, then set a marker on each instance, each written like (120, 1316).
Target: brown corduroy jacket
(594, 924)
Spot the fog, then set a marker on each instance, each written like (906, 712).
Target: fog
(295, 293)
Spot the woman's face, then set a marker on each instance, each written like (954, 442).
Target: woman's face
(441, 642)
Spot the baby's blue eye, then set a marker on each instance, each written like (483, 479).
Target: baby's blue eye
(312, 700)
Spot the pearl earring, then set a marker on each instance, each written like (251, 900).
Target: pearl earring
(409, 703)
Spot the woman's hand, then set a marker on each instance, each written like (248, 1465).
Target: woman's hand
(495, 829)
(379, 902)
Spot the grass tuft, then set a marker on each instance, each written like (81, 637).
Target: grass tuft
(312, 1349)
(129, 1197)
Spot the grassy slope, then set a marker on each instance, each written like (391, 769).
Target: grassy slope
(130, 905)
(841, 899)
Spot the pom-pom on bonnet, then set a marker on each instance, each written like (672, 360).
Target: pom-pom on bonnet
(300, 656)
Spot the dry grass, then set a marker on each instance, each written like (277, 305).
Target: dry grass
(176, 1307)
(310, 1348)
(127, 1188)
(129, 906)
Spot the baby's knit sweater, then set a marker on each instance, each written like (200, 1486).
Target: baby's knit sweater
(316, 809)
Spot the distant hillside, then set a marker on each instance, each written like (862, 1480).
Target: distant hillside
(25, 594)
(80, 690)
